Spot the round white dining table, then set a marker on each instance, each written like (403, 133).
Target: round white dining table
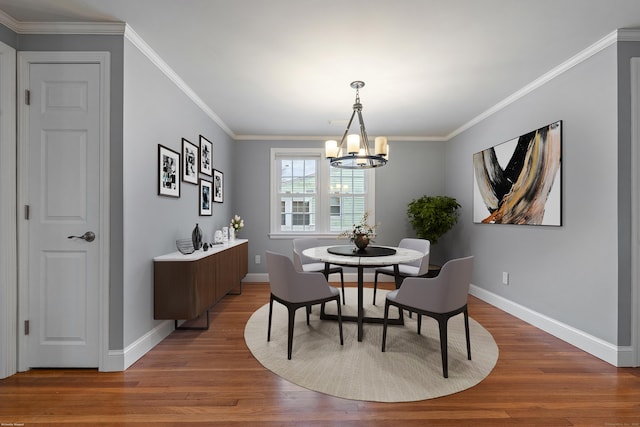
(362, 260)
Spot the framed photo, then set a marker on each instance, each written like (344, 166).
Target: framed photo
(218, 186)
(168, 172)
(206, 155)
(520, 181)
(189, 162)
(205, 198)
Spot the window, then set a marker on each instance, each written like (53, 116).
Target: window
(310, 197)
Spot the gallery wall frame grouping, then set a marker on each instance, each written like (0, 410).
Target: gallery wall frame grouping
(187, 166)
(520, 181)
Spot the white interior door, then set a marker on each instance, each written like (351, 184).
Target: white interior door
(64, 200)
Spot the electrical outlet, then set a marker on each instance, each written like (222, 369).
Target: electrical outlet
(257, 259)
(505, 278)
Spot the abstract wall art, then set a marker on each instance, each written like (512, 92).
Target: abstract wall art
(520, 181)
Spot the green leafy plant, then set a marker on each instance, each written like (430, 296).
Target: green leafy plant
(432, 216)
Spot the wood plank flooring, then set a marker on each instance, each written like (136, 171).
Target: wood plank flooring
(209, 378)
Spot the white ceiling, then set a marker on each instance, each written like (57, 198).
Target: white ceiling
(283, 67)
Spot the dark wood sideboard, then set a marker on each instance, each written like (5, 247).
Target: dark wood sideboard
(186, 286)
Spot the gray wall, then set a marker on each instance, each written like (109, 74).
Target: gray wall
(8, 37)
(415, 169)
(568, 273)
(157, 112)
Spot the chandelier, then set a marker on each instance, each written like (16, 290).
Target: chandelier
(353, 151)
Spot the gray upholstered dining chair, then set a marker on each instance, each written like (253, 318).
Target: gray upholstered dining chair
(440, 297)
(295, 289)
(304, 263)
(418, 268)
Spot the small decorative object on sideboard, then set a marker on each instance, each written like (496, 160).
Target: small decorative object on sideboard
(217, 237)
(185, 246)
(236, 225)
(196, 237)
(205, 246)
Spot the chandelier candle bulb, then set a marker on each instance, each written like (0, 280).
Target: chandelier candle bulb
(331, 148)
(381, 146)
(353, 143)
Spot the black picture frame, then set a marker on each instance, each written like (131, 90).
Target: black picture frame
(190, 161)
(168, 172)
(206, 156)
(218, 186)
(204, 200)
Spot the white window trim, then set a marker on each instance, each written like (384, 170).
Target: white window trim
(322, 213)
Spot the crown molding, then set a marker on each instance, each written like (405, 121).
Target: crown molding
(324, 138)
(8, 21)
(151, 54)
(99, 28)
(582, 56)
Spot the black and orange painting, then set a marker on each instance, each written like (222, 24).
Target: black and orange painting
(519, 181)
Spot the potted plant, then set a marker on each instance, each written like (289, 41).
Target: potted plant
(432, 216)
(361, 234)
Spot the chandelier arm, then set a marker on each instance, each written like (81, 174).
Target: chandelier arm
(346, 132)
(363, 134)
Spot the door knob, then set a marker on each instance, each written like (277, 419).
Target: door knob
(89, 236)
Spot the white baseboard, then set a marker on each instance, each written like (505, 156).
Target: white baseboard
(120, 360)
(610, 353)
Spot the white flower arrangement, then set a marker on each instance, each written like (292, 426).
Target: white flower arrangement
(237, 224)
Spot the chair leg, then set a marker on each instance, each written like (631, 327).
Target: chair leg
(443, 346)
(308, 312)
(270, 312)
(340, 320)
(375, 286)
(419, 323)
(384, 324)
(292, 315)
(344, 300)
(466, 329)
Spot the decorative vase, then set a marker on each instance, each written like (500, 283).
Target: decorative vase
(361, 241)
(196, 237)
(232, 234)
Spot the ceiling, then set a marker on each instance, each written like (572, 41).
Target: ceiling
(282, 68)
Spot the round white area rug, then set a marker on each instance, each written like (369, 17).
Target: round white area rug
(409, 370)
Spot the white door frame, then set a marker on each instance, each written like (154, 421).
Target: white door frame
(8, 248)
(24, 60)
(635, 209)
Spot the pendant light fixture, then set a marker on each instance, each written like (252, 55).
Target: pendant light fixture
(353, 151)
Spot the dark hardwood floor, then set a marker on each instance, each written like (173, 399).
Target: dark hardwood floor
(211, 379)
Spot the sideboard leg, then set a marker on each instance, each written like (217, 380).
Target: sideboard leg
(197, 328)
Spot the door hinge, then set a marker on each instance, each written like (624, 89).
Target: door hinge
(26, 327)
(26, 211)
(27, 96)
